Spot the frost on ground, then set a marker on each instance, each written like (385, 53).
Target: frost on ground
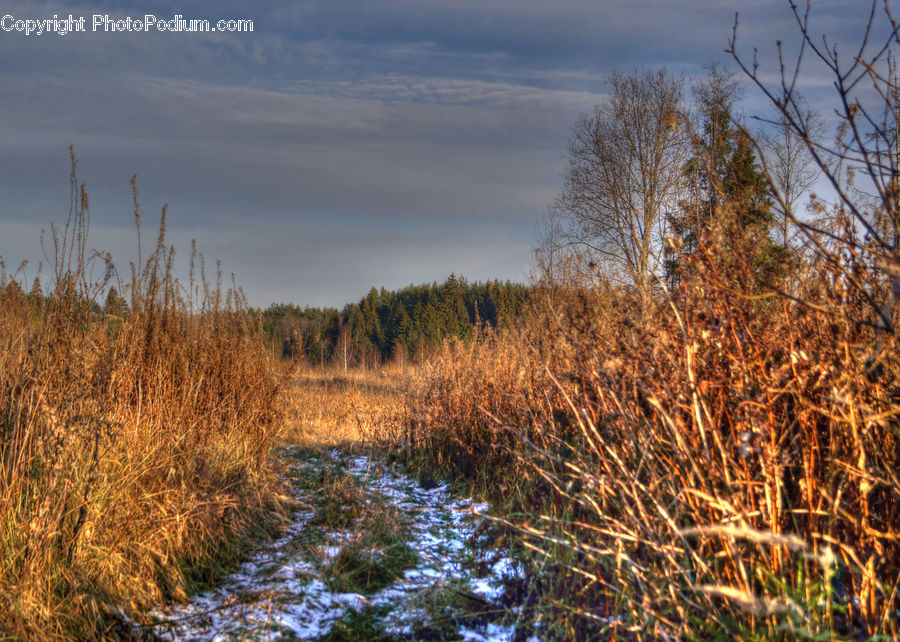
(288, 590)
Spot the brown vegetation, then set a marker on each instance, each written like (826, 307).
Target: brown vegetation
(710, 454)
(331, 407)
(727, 463)
(133, 442)
(720, 460)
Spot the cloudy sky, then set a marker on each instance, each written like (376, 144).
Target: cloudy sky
(343, 143)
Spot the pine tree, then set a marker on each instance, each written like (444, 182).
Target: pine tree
(36, 294)
(727, 191)
(114, 304)
(454, 316)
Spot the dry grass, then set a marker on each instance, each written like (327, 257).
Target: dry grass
(134, 445)
(723, 464)
(335, 407)
(453, 427)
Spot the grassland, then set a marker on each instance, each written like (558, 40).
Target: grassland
(370, 553)
(139, 441)
(718, 466)
(332, 407)
(723, 465)
(716, 460)
(134, 440)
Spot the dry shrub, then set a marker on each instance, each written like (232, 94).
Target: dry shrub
(456, 404)
(133, 442)
(724, 463)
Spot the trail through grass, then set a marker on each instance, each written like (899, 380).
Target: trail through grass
(369, 554)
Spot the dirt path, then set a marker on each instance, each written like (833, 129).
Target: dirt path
(372, 555)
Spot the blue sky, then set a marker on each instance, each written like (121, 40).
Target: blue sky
(343, 143)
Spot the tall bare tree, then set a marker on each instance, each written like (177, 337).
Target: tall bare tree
(791, 169)
(625, 164)
(346, 348)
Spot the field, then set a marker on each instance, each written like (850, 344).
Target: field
(332, 407)
(368, 552)
(723, 464)
(685, 427)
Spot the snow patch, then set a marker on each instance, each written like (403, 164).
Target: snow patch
(279, 594)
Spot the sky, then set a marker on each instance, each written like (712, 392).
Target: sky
(342, 144)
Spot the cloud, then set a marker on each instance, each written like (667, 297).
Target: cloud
(395, 180)
(341, 144)
(391, 146)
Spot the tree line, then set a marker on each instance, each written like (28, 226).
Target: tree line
(405, 324)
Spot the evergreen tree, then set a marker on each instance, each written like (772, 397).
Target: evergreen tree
(727, 191)
(401, 329)
(114, 304)
(410, 321)
(36, 294)
(455, 319)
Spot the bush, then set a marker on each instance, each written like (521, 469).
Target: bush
(724, 462)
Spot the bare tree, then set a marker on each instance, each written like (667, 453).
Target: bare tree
(792, 171)
(858, 240)
(862, 164)
(625, 163)
(346, 348)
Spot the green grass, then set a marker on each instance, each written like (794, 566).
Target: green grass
(377, 554)
(359, 626)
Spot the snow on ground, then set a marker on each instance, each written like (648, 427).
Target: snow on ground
(280, 592)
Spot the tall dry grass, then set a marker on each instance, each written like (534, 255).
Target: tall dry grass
(133, 442)
(331, 407)
(724, 464)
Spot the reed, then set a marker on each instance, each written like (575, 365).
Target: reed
(720, 463)
(134, 438)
